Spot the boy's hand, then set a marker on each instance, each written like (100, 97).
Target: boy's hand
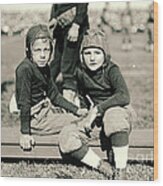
(90, 119)
(52, 24)
(26, 141)
(62, 21)
(66, 18)
(82, 112)
(86, 123)
(73, 33)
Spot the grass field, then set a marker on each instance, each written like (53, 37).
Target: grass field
(137, 68)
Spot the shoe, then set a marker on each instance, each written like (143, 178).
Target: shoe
(120, 174)
(106, 169)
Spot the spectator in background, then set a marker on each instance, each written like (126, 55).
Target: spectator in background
(68, 22)
(105, 19)
(150, 30)
(126, 20)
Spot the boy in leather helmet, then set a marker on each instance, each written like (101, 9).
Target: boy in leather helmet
(36, 93)
(106, 95)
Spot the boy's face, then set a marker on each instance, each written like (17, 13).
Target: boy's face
(41, 52)
(93, 58)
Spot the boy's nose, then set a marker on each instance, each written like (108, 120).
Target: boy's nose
(92, 56)
(42, 54)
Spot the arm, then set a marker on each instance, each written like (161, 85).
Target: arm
(53, 21)
(81, 13)
(120, 95)
(53, 13)
(23, 96)
(58, 100)
(23, 93)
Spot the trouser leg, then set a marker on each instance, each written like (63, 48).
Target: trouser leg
(55, 64)
(70, 60)
(126, 42)
(51, 121)
(73, 142)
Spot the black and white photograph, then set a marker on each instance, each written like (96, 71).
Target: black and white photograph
(78, 96)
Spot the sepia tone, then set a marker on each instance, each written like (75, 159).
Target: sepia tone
(139, 66)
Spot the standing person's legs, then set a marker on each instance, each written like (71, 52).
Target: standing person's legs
(150, 40)
(126, 41)
(55, 65)
(70, 60)
(129, 39)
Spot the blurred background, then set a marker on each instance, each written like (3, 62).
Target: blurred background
(16, 19)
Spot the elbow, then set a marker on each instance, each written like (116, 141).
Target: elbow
(125, 99)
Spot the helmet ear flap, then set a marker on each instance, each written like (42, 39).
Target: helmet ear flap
(27, 52)
(81, 58)
(51, 49)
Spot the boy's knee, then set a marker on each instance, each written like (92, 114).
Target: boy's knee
(69, 140)
(116, 120)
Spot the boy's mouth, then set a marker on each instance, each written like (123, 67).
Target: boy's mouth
(42, 62)
(93, 63)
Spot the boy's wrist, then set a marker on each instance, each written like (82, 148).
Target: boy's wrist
(82, 112)
(76, 26)
(99, 110)
(25, 130)
(26, 141)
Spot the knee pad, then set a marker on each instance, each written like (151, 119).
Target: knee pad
(115, 120)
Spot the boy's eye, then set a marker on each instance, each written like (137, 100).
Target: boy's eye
(37, 50)
(47, 49)
(97, 52)
(87, 53)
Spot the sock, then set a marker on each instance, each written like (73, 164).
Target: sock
(91, 159)
(119, 139)
(120, 156)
